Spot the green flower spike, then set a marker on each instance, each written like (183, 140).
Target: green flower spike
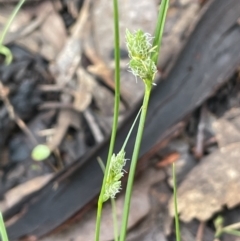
(116, 172)
(145, 70)
(140, 50)
(138, 44)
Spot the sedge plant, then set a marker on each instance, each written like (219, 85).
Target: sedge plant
(115, 173)
(143, 52)
(113, 179)
(102, 195)
(143, 64)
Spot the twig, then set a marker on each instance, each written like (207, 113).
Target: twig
(69, 58)
(55, 105)
(98, 136)
(200, 134)
(57, 154)
(200, 231)
(99, 68)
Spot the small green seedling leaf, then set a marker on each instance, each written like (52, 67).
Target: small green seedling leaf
(7, 53)
(230, 229)
(40, 152)
(218, 222)
(3, 232)
(3, 49)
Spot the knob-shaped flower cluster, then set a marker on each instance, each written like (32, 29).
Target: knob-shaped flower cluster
(140, 50)
(115, 173)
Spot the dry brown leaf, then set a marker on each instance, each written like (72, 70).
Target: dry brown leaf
(211, 185)
(67, 61)
(214, 183)
(226, 132)
(167, 160)
(83, 93)
(66, 118)
(40, 29)
(53, 34)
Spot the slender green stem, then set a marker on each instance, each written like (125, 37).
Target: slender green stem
(177, 227)
(98, 221)
(134, 163)
(148, 87)
(115, 221)
(10, 20)
(115, 117)
(113, 204)
(3, 232)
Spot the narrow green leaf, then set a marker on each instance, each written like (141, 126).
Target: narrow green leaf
(3, 231)
(131, 129)
(232, 232)
(159, 29)
(115, 116)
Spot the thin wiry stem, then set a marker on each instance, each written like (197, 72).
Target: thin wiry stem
(159, 29)
(133, 164)
(116, 112)
(10, 20)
